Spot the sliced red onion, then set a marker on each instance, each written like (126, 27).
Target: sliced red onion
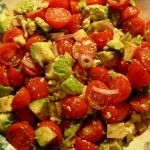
(64, 37)
(28, 64)
(85, 60)
(105, 91)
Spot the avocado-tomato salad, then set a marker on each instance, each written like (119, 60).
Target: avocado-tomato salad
(74, 75)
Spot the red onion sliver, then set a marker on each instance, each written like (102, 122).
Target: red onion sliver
(105, 91)
(28, 64)
(64, 37)
(85, 60)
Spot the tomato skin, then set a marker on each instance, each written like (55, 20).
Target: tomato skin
(130, 12)
(124, 87)
(54, 127)
(93, 130)
(4, 75)
(99, 73)
(80, 73)
(142, 54)
(29, 67)
(138, 75)
(96, 100)
(38, 88)
(101, 38)
(33, 39)
(147, 31)
(74, 23)
(84, 145)
(57, 18)
(74, 6)
(21, 135)
(116, 112)
(74, 107)
(135, 26)
(16, 77)
(25, 114)
(118, 4)
(38, 13)
(85, 46)
(140, 103)
(100, 2)
(10, 54)
(59, 3)
(9, 35)
(64, 45)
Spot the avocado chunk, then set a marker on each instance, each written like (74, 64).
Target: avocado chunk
(5, 103)
(5, 90)
(95, 12)
(115, 45)
(41, 53)
(105, 146)
(72, 86)
(63, 66)
(6, 119)
(115, 145)
(24, 7)
(44, 136)
(40, 108)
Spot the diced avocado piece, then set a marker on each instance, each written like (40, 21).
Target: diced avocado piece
(132, 2)
(146, 89)
(135, 117)
(126, 37)
(117, 34)
(129, 51)
(41, 52)
(20, 40)
(115, 145)
(72, 86)
(113, 132)
(4, 144)
(72, 130)
(63, 66)
(58, 95)
(102, 25)
(44, 136)
(86, 23)
(42, 24)
(31, 25)
(40, 108)
(115, 45)
(96, 12)
(137, 40)
(104, 146)
(5, 90)
(82, 3)
(80, 34)
(5, 103)
(24, 6)
(140, 127)
(6, 119)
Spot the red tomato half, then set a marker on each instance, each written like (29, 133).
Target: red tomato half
(96, 100)
(142, 54)
(100, 2)
(93, 130)
(54, 127)
(29, 67)
(85, 46)
(147, 31)
(38, 88)
(4, 76)
(9, 35)
(101, 38)
(116, 112)
(135, 26)
(64, 45)
(141, 103)
(33, 39)
(21, 99)
(74, 6)
(84, 145)
(74, 23)
(21, 135)
(10, 54)
(74, 107)
(59, 3)
(118, 4)
(57, 18)
(129, 12)
(16, 77)
(138, 75)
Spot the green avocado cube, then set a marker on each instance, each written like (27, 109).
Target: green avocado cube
(115, 44)
(40, 108)
(5, 90)
(72, 86)
(44, 136)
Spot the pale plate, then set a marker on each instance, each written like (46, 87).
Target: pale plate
(141, 142)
